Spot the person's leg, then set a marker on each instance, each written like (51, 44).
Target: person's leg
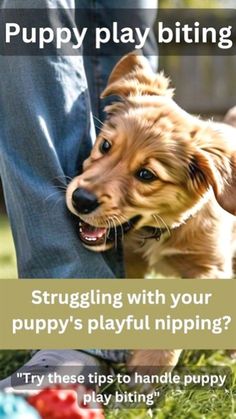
(45, 134)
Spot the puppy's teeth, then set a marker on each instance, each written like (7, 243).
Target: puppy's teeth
(90, 239)
(80, 230)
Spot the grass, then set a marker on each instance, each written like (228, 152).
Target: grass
(174, 403)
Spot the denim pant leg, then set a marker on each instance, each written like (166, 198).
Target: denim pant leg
(45, 134)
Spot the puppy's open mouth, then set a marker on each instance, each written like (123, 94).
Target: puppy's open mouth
(97, 236)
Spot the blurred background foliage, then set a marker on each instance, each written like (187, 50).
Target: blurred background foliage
(197, 3)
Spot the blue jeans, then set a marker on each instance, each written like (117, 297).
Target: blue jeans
(46, 131)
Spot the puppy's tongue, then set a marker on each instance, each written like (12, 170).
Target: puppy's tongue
(96, 236)
(89, 232)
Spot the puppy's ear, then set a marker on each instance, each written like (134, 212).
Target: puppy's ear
(219, 172)
(226, 197)
(133, 76)
(127, 64)
(230, 117)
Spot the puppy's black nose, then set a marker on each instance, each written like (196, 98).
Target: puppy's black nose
(84, 201)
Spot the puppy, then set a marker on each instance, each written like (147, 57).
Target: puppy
(164, 176)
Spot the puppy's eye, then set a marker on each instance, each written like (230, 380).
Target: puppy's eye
(105, 146)
(145, 175)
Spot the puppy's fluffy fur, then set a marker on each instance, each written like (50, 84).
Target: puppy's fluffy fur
(190, 196)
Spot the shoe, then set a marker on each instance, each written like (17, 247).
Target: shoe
(59, 362)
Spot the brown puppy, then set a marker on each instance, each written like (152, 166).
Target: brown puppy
(155, 166)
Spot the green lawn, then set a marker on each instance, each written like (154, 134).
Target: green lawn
(175, 404)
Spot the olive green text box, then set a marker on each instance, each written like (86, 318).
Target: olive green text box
(153, 313)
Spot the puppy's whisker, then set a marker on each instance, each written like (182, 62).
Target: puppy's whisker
(109, 230)
(121, 227)
(94, 222)
(111, 223)
(99, 120)
(108, 225)
(115, 230)
(157, 221)
(66, 178)
(96, 126)
(51, 195)
(123, 219)
(164, 223)
(63, 188)
(57, 202)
